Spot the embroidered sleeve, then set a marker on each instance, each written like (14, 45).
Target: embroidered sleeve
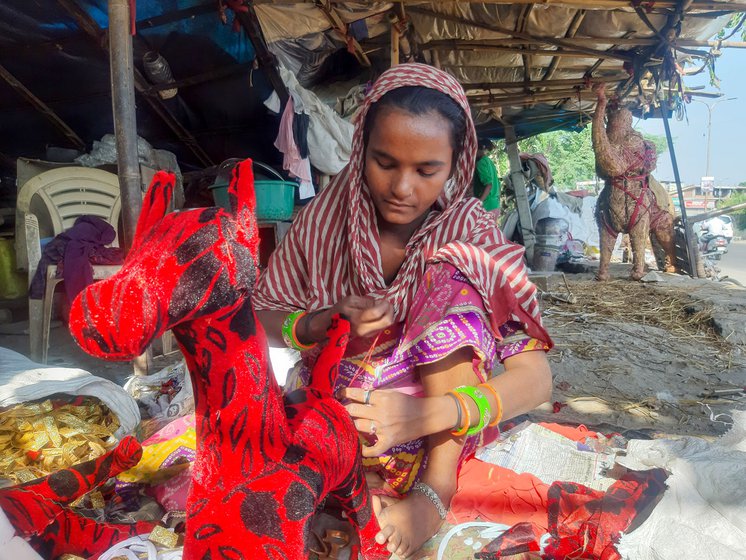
(515, 340)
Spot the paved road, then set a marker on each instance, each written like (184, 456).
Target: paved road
(733, 263)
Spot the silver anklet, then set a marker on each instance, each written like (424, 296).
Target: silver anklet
(431, 495)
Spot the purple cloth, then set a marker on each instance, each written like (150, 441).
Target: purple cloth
(76, 248)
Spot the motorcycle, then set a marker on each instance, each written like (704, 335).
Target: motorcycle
(714, 246)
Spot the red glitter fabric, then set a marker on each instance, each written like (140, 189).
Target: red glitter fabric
(263, 465)
(584, 523)
(38, 509)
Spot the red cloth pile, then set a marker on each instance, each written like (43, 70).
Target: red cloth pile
(561, 520)
(497, 494)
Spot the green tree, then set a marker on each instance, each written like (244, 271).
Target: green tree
(735, 25)
(570, 154)
(660, 142)
(739, 216)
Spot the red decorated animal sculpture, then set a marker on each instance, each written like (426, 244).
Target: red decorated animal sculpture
(263, 464)
(38, 509)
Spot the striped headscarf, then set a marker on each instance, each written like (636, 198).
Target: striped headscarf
(332, 249)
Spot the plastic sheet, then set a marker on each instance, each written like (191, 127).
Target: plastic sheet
(22, 380)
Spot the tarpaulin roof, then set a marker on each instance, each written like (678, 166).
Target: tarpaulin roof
(529, 65)
(44, 47)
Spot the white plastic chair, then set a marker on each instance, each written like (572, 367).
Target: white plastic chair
(66, 193)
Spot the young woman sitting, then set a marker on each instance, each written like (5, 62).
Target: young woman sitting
(435, 294)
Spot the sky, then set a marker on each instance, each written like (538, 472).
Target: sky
(728, 128)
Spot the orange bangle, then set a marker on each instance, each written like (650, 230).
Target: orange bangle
(298, 344)
(466, 415)
(498, 404)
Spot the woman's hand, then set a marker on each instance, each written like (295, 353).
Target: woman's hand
(394, 417)
(367, 316)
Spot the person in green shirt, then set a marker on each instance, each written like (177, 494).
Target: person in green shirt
(486, 181)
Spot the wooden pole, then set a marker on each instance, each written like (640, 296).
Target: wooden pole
(43, 108)
(125, 130)
(542, 83)
(518, 180)
(394, 45)
(691, 247)
(125, 122)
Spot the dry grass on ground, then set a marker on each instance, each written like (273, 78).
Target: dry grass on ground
(621, 301)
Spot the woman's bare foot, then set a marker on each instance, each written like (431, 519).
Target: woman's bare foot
(406, 524)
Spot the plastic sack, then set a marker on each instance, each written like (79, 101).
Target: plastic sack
(139, 547)
(164, 395)
(164, 471)
(22, 380)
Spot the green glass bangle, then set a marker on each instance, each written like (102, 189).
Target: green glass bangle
(288, 332)
(483, 406)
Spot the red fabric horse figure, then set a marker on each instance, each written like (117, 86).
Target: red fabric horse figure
(263, 465)
(39, 512)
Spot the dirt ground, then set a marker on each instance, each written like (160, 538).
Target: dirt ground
(643, 356)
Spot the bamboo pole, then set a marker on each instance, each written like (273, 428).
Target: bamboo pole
(659, 5)
(593, 4)
(72, 137)
(543, 83)
(526, 56)
(625, 41)
(336, 21)
(125, 123)
(569, 34)
(394, 52)
(458, 45)
(619, 42)
(267, 61)
(518, 180)
(502, 100)
(691, 247)
(719, 212)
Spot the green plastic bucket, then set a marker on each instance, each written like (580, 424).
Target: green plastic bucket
(275, 199)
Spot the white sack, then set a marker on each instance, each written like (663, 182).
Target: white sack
(703, 512)
(22, 380)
